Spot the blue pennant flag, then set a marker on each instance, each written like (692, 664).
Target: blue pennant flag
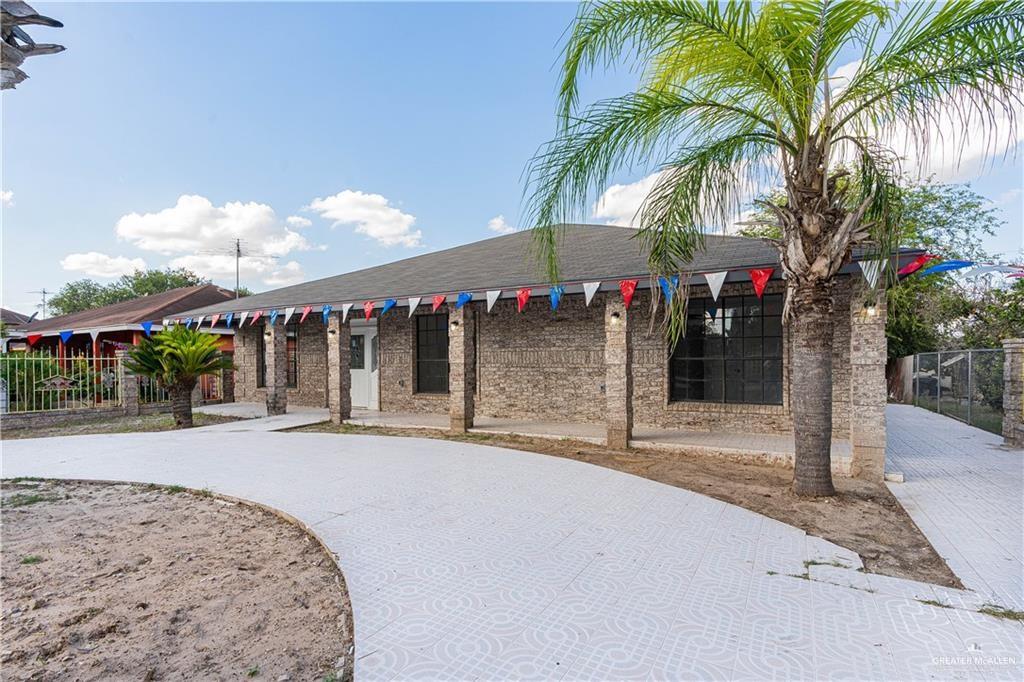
(556, 295)
(273, 317)
(669, 286)
(326, 312)
(147, 327)
(388, 305)
(229, 319)
(464, 298)
(948, 265)
(188, 322)
(66, 335)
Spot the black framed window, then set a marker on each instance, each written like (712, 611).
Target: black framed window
(261, 360)
(432, 353)
(732, 351)
(291, 334)
(357, 351)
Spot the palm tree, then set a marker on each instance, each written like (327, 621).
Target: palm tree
(176, 358)
(734, 100)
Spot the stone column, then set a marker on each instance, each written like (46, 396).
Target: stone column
(618, 383)
(277, 368)
(461, 370)
(1013, 392)
(868, 354)
(339, 369)
(227, 386)
(129, 383)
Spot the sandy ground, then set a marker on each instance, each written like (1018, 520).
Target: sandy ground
(104, 581)
(149, 422)
(862, 517)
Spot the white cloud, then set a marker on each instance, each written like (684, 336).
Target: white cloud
(222, 268)
(101, 265)
(619, 203)
(298, 221)
(201, 237)
(498, 224)
(372, 215)
(7, 197)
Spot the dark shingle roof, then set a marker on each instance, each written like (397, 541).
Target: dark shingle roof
(587, 253)
(143, 309)
(12, 319)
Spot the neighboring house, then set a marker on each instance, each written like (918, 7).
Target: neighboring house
(13, 321)
(99, 332)
(595, 364)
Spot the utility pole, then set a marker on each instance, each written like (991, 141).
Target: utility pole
(238, 257)
(44, 293)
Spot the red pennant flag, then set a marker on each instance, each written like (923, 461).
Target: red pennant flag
(760, 279)
(305, 311)
(255, 316)
(438, 302)
(32, 338)
(628, 288)
(368, 309)
(214, 319)
(915, 265)
(522, 298)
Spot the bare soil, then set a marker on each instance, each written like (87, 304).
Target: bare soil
(863, 517)
(104, 581)
(148, 422)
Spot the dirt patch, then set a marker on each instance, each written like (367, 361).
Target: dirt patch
(863, 517)
(148, 422)
(104, 581)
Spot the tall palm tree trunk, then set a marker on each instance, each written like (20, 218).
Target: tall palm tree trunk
(181, 405)
(811, 386)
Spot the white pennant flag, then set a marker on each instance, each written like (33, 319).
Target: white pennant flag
(164, 324)
(94, 333)
(241, 318)
(492, 296)
(345, 307)
(589, 289)
(288, 312)
(872, 269)
(199, 321)
(715, 281)
(414, 303)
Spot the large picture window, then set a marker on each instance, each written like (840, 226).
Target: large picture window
(261, 360)
(732, 351)
(292, 349)
(432, 353)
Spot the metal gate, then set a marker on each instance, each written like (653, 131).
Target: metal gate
(963, 384)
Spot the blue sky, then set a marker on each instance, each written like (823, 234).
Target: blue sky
(332, 136)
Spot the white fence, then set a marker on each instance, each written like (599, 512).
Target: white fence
(40, 382)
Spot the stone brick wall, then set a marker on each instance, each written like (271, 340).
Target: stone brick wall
(1013, 392)
(312, 360)
(396, 341)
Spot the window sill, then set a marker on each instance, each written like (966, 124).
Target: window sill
(736, 408)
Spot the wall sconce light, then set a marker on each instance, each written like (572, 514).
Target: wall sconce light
(454, 324)
(267, 332)
(616, 317)
(870, 309)
(332, 332)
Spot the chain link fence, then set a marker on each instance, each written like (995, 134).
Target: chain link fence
(963, 384)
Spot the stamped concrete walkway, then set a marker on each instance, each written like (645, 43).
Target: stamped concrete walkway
(966, 493)
(469, 562)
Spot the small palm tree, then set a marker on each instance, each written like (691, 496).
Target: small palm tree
(176, 358)
(737, 97)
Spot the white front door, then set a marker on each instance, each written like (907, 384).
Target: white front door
(364, 367)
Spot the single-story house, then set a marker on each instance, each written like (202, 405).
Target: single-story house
(99, 332)
(475, 331)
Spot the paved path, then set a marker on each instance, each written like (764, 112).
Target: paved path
(253, 417)
(965, 493)
(465, 561)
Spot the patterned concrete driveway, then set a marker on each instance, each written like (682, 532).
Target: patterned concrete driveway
(469, 562)
(966, 493)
